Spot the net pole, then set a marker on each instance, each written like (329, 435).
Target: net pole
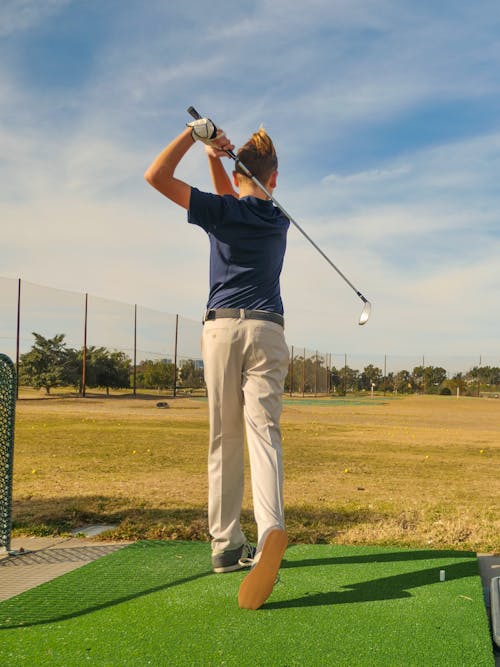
(18, 334)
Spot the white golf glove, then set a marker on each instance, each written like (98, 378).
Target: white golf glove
(203, 130)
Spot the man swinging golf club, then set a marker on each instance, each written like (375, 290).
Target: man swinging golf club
(244, 351)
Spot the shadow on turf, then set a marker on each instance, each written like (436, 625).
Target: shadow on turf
(385, 588)
(67, 599)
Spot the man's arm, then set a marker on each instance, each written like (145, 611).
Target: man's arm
(220, 178)
(160, 174)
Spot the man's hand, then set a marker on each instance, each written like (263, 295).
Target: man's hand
(217, 147)
(215, 140)
(203, 130)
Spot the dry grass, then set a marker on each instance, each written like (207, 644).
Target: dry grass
(413, 471)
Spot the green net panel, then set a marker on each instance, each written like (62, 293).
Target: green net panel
(7, 418)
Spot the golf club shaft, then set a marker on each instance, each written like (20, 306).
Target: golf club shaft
(192, 111)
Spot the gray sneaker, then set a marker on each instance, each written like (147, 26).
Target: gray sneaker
(233, 559)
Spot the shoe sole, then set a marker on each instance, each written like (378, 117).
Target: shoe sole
(229, 568)
(258, 585)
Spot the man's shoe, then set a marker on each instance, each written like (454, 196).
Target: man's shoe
(258, 585)
(233, 559)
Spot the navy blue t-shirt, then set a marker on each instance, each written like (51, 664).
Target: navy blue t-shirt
(247, 248)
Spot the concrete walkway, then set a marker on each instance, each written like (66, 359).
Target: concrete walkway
(40, 559)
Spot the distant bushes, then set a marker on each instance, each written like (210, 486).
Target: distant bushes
(51, 364)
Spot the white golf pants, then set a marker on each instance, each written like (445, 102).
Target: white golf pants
(245, 363)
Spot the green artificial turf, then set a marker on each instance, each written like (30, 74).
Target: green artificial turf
(157, 603)
(341, 401)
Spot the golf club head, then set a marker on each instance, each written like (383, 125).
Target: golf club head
(366, 313)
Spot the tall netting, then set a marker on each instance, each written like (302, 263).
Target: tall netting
(146, 350)
(155, 336)
(168, 353)
(190, 364)
(8, 315)
(189, 341)
(49, 312)
(308, 372)
(7, 418)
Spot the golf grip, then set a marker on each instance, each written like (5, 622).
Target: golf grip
(192, 112)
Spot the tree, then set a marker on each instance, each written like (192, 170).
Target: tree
(371, 375)
(348, 379)
(190, 375)
(335, 379)
(486, 376)
(307, 375)
(418, 378)
(156, 374)
(435, 376)
(428, 379)
(293, 380)
(48, 364)
(389, 382)
(403, 382)
(108, 369)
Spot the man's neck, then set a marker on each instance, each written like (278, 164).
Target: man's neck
(252, 190)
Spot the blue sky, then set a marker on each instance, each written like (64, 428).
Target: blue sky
(385, 115)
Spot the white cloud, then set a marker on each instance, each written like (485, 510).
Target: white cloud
(373, 175)
(19, 15)
(279, 17)
(408, 229)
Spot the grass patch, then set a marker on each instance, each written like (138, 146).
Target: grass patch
(416, 471)
(159, 603)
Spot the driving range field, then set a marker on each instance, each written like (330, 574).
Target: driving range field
(417, 471)
(388, 501)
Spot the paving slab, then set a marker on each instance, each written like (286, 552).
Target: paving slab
(35, 560)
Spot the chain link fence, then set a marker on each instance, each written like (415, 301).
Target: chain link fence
(145, 336)
(7, 418)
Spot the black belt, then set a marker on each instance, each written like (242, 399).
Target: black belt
(237, 313)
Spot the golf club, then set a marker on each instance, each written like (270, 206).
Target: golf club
(367, 305)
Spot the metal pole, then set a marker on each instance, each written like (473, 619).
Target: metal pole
(345, 374)
(304, 374)
(479, 376)
(135, 350)
(84, 351)
(328, 361)
(175, 354)
(18, 335)
(291, 374)
(423, 373)
(385, 373)
(329, 374)
(316, 374)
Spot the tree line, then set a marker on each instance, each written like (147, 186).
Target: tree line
(51, 363)
(310, 375)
